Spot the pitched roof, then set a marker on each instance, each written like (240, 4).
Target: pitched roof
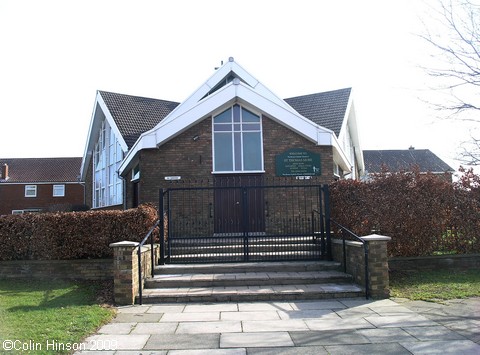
(30, 170)
(397, 160)
(327, 109)
(134, 115)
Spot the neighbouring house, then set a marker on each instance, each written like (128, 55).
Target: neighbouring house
(424, 160)
(231, 127)
(40, 184)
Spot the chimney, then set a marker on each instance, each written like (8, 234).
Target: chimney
(4, 172)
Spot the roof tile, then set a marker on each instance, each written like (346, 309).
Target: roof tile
(30, 170)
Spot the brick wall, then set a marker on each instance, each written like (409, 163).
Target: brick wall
(85, 269)
(378, 277)
(192, 158)
(458, 262)
(12, 196)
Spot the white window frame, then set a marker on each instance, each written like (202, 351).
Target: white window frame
(30, 191)
(58, 191)
(242, 171)
(107, 155)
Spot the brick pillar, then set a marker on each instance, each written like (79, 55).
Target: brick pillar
(125, 272)
(378, 265)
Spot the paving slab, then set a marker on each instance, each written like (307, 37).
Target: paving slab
(367, 349)
(209, 327)
(132, 309)
(208, 352)
(215, 307)
(332, 324)
(356, 312)
(390, 310)
(464, 347)
(386, 335)
(340, 326)
(327, 304)
(308, 314)
(329, 337)
(396, 321)
(166, 309)
(115, 342)
(265, 306)
(304, 350)
(117, 328)
(433, 333)
(190, 317)
(243, 316)
(137, 318)
(143, 352)
(361, 302)
(255, 340)
(182, 341)
(155, 328)
(274, 325)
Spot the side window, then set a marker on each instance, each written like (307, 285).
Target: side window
(30, 190)
(58, 190)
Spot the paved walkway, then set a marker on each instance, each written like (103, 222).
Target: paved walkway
(346, 326)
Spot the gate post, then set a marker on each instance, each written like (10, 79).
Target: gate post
(326, 201)
(161, 213)
(245, 227)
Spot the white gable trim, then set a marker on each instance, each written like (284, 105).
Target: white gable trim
(95, 123)
(179, 121)
(230, 67)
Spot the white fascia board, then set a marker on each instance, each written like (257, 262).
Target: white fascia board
(178, 123)
(86, 153)
(339, 156)
(93, 133)
(284, 115)
(211, 82)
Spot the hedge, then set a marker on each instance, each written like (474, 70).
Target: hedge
(71, 235)
(423, 213)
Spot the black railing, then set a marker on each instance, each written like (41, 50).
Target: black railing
(152, 257)
(365, 249)
(242, 223)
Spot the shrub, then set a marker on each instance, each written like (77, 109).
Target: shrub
(71, 235)
(424, 214)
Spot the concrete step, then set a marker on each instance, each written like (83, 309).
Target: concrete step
(241, 267)
(247, 279)
(251, 293)
(245, 282)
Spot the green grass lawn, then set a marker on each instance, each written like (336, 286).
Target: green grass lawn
(43, 312)
(435, 285)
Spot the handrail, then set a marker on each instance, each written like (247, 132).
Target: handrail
(139, 253)
(365, 248)
(364, 243)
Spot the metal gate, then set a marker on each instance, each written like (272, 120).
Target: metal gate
(244, 223)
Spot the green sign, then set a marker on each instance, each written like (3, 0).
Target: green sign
(297, 162)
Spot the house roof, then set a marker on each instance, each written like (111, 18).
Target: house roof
(398, 160)
(145, 123)
(327, 109)
(134, 115)
(35, 170)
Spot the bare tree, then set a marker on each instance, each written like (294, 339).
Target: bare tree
(454, 36)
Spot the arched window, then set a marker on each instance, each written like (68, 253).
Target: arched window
(237, 141)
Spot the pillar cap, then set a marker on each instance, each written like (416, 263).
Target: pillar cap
(376, 238)
(124, 244)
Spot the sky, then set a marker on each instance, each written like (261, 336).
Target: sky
(55, 55)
